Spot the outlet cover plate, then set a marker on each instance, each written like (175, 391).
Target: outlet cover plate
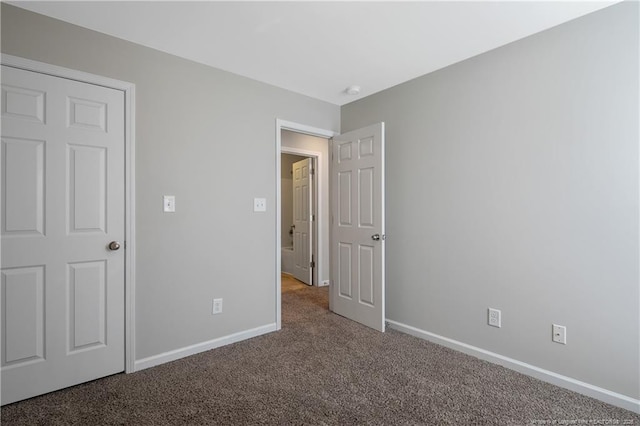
(259, 204)
(217, 307)
(495, 317)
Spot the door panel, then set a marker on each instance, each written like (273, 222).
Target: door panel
(302, 211)
(21, 103)
(344, 198)
(23, 319)
(357, 255)
(87, 305)
(23, 187)
(87, 114)
(366, 286)
(365, 190)
(62, 203)
(344, 270)
(87, 188)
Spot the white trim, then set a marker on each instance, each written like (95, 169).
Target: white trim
(613, 398)
(301, 152)
(173, 355)
(130, 231)
(70, 74)
(300, 128)
(129, 96)
(303, 128)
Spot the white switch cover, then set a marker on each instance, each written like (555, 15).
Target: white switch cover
(259, 204)
(169, 203)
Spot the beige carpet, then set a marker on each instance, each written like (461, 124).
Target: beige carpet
(320, 369)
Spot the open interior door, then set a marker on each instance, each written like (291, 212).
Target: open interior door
(302, 221)
(357, 226)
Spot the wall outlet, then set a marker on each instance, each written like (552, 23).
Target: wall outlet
(217, 307)
(259, 204)
(559, 334)
(495, 317)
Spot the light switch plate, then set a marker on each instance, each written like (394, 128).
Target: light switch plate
(169, 203)
(259, 204)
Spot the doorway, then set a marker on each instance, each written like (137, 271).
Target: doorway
(298, 207)
(357, 221)
(305, 142)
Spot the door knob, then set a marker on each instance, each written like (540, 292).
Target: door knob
(375, 237)
(114, 245)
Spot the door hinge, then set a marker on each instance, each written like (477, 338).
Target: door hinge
(312, 172)
(312, 264)
(313, 218)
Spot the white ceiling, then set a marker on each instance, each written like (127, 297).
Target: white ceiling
(319, 48)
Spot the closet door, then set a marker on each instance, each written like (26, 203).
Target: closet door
(62, 263)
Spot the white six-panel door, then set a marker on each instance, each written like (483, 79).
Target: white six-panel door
(62, 205)
(357, 227)
(302, 210)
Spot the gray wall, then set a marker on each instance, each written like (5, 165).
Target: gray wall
(512, 182)
(286, 201)
(190, 119)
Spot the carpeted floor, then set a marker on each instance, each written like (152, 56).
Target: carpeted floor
(320, 369)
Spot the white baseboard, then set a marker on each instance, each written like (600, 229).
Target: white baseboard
(583, 388)
(162, 358)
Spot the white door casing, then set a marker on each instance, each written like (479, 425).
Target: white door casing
(63, 202)
(357, 226)
(302, 220)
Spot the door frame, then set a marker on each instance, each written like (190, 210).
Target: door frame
(312, 131)
(129, 153)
